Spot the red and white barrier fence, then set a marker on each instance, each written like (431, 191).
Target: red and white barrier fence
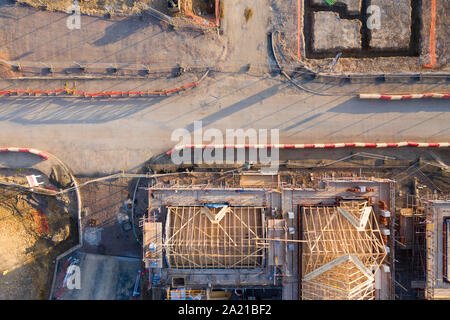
(404, 96)
(314, 146)
(27, 150)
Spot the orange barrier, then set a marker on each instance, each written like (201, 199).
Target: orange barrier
(298, 29)
(432, 36)
(97, 94)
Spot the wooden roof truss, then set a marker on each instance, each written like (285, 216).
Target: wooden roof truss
(227, 237)
(341, 253)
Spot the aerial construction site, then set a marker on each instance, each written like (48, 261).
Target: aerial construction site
(328, 233)
(224, 150)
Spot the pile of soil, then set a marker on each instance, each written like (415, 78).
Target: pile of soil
(34, 230)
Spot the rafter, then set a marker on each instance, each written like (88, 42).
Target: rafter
(340, 251)
(196, 239)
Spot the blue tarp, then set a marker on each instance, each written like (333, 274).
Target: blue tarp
(216, 205)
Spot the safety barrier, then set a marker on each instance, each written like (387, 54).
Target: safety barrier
(97, 94)
(28, 150)
(73, 92)
(404, 96)
(314, 146)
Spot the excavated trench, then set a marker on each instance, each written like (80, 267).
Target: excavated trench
(366, 51)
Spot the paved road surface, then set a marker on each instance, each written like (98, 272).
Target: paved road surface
(109, 135)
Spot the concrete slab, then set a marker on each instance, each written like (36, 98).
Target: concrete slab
(395, 27)
(102, 278)
(331, 32)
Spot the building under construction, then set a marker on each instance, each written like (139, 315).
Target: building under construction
(342, 253)
(437, 285)
(217, 237)
(422, 242)
(269, 240)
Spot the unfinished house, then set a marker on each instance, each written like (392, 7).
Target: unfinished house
(210, 251)
(342, 253)
(437, 252)
(215, 237)
(261, 238)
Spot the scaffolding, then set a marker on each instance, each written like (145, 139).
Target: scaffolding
(430, 247)
(215, 237)
(418, 257)
(152, 244)
(339, 260)
(186, 294)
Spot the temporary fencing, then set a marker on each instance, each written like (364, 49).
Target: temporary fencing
(404, 96)
(28, 150)
(314, 146)
(75, 92)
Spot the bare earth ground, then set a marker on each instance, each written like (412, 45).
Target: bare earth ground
(247, 40)
(94, 6)
(30, 35)
(26, 254)
(97, 7)
(286, 22)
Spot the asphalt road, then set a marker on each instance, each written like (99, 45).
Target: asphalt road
(103, 136)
